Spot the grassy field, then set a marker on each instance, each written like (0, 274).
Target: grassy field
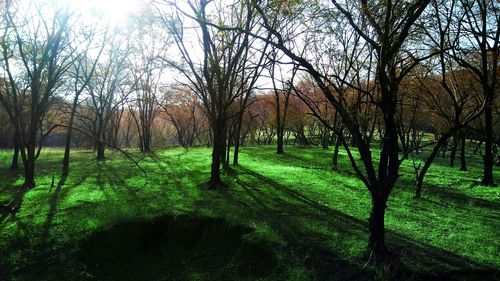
(302, 220)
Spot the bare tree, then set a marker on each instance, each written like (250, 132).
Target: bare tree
(217, 78)
(384, 28)
(447, 89)
(35, 56)
(150, 44)
(183, 111)
(477, 48)
(282, 94)
(80, 74)
(107, 89)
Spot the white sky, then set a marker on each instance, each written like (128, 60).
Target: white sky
(116, 13)
(111, 11)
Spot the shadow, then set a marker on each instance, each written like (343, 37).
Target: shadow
(173, 248)
(11, 207)
(280, 205)
(448, 195)
(57, 195)
(23, 233)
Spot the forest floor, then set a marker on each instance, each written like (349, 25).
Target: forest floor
(283, 217)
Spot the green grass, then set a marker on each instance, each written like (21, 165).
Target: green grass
(291, 199)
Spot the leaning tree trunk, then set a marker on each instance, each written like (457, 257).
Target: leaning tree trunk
(67, 146)
(420, 176)
(335, 156)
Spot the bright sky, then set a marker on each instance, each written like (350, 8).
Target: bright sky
(112, 11)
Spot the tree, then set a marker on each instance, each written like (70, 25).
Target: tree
(80, 74)
(8, 129)
(477, 48)
(281, 97)
(220, 76)
(108, 88)
(263, 126)
(35, 57)
(384, 29)
(150, 44)
(183, 111)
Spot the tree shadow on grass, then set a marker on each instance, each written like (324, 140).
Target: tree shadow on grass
(461, 199)
(58, 194)
(280, 206)
(42, 248)
(9, 212)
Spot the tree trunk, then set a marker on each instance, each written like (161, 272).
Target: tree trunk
(146, 143)
(29, 167)
(237, 139)
(218, 153)
(141, 143)
(228, 154)
(223, 145)
(415, 140)
(100, 150)
(420, 176)
(463, 161)
(215, 181)
(488, 147)
(324, 138)
(279, 143)
(279, 128)
(15, 158)
(445, 145)
(227, 150)
(335, 156)
(147, 147)
(29, 177)
(67, 146)
(236, 152)
(376, 240)
(453, 152)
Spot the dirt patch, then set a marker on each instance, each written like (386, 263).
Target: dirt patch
(175, 248)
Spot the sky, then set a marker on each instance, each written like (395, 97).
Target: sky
(117, 12)
(113, 11)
